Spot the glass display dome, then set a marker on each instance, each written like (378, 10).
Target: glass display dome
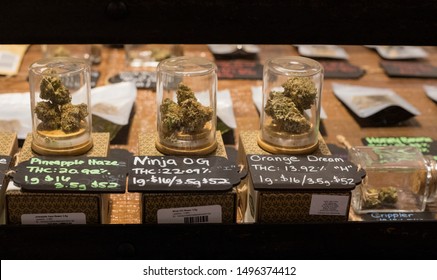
(60, 103)
(186, 100)
(290, 117)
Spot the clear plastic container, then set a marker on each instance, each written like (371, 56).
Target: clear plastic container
(186, 99)
(60, 102)
(399, 179)
(292, 88)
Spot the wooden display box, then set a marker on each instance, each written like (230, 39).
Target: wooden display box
(282, 206)
(152, 202)
(41, 207)
(8, 148)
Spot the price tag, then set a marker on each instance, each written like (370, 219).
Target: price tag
(53, 219)
(190, 215)
(329, 205)
(303, 172)
(78, 174)
(170, 173)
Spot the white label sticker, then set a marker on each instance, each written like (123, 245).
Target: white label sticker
(9, 62)
(54, 219)
(329, 205)
(190, 215)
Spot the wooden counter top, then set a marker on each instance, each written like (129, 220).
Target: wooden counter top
(339, 120)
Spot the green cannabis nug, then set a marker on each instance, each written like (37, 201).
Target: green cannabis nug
(188, 115)
(291, 113)
(186, 99)
(287, 108)
(56, 111)
(60, 98)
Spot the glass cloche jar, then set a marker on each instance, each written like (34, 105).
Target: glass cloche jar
(186, 91)
(290, 117)
(60, 103)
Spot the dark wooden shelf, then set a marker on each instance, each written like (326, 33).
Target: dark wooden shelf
(352, 240)
(388, 22)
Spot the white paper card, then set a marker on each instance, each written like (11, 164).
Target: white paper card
(329, 205)
(15, 115)
(431, 92)
(54, 219)
(190, 215)
(229, 49)
(401, 52)
(9, 62)
(225, 109)
(11, 57)
(114, 102)
(326, 51)
(366, 101)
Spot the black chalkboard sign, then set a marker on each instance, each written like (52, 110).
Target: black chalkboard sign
(171, 173)
(75, 174)
(239, 69)
(409, 69)
(398, 216)
(426, 145)
(334, 69)
(4, 166)
(142, 79)
(288, 172)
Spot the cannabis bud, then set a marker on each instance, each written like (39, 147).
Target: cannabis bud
(57, 112)
(388, 195)
(376, 198)
(187, 115)
(370, 198)
(171, 116)
(287, 108)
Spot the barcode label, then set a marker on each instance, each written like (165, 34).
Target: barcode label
(195, 220)
(8, 62)
(329, 205)
(53, 219)
(190, 215)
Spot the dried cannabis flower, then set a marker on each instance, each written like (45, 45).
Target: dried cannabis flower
(194, 115)
(71, 116)
(57, 112)
(187, 115)
(183, 93)
(370, 198)
(388, 195)
(302, 92)
(49, 114)
(53, 90)
(374, 198)
(171, 116)
(287, 108)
